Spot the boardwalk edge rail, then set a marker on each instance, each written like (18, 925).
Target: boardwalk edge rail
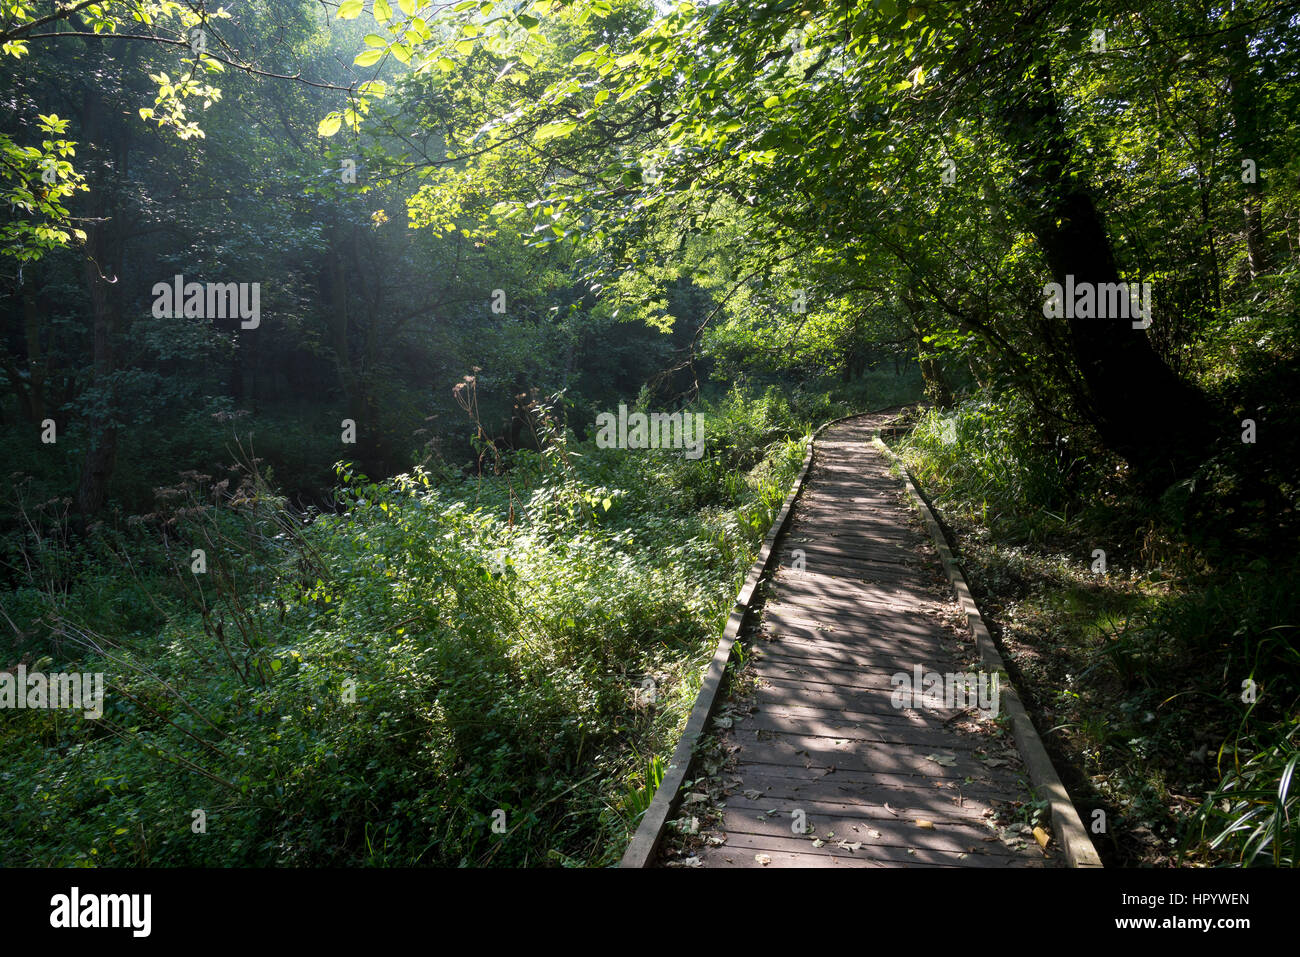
(1069, 828)
(645, 842)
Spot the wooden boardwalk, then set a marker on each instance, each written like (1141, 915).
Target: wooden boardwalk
(813, 733)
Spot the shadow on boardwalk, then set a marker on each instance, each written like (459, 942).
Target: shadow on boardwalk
(816, 766)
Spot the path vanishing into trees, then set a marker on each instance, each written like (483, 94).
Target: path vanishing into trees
(813, 732)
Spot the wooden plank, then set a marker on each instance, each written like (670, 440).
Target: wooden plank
(760, 831)
(830, 802)
(896, 616)
(862, 652)
(786, 780)
(742, 850)
(856, 755)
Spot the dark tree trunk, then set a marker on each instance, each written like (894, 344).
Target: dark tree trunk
(97, 467)
(343, 261)
(1244, 99)
(104, 240)
(1160, 424)
(33, 320)
(937, 389)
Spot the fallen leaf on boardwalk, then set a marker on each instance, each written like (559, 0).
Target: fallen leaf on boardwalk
(763, 859)
(753, 794)
(873, 832)
(722, 722)
(890, 809)
(818, 842)
(855, 846)
(947, 760)
(695, 797)
(928, 825)
(1041, 836)
(770, 813)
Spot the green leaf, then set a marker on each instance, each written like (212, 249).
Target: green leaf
(368, 57)
(446, 64)
(527, 22)
(374, 40)
(402, 52)
(408, 7)
(349, 9)
(383, 12)
(330, 125)
(582, 59)
(772, 101)
(549, 131)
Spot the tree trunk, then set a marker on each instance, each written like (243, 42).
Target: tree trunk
(97, 467)
(937, 389)
(1244, 100)
(1161, 425)
(104, 240)
(360, 409)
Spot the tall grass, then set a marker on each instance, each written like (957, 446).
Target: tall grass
(452, 670)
